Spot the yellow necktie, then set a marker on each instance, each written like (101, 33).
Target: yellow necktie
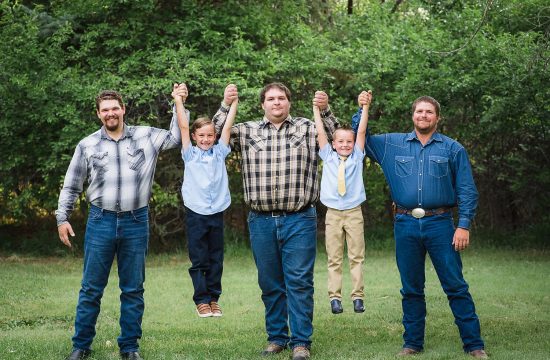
(342, 175)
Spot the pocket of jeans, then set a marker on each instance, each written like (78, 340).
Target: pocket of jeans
(439, 166)
(95, 213)
(141, 217)
(136, 158)
(403, 165)
(251, 216)
(310, 213)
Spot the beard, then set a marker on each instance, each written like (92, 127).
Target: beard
(112, 125)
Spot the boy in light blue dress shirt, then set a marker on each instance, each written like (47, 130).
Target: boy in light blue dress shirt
(342, 191)
(205, 193)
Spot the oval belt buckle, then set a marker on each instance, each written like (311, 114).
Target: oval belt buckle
(418, 213)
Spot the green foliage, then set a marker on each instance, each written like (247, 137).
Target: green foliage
(487, 67)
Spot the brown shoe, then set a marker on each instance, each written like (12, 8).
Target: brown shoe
(300, 353)
(479, 354)
(407, 351)
(203, 310)
(216, 309)
(272, 349)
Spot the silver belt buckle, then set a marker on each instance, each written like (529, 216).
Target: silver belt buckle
(418, 213)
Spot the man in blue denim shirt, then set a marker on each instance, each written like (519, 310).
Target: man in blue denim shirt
(429, 174)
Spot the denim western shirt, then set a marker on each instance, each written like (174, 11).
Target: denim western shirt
(279, 166)
(119, 173)
(205, 188)
(430, 176)
(355, 189)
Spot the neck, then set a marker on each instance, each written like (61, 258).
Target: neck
(116, 134)
(424, 137)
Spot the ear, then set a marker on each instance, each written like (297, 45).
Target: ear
(193, 136)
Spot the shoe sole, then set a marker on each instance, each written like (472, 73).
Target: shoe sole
(217, 314)
(204, 315)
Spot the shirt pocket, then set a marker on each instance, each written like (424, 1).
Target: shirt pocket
(403, 165)
(439, 166)
(257, 142)
(297, 140)
(136, 158)
(99, 161)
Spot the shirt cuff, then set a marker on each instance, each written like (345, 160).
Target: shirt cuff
(224, 107)
(326, 112)
(464, 223)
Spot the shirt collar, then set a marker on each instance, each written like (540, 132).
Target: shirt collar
(265, 122)
(436, 136)
(127, 131)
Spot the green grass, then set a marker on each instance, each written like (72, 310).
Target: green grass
(510, 288)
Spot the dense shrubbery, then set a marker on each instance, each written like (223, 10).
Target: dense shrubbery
(493, 90)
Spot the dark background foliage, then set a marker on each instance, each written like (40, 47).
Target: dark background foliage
(485, 61)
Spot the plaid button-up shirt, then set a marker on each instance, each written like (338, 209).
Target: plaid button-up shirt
(279, 166)
(119, 173)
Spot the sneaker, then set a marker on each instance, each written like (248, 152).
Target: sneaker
(300, 353)
(358, 306)
(204, 310)
(216, 309)
(336, 306)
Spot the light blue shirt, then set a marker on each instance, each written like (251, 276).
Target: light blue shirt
(205, 188)
(355, 189)
(430, 176)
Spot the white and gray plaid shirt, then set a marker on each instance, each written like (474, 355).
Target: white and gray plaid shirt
(119, 173)
(279, 166)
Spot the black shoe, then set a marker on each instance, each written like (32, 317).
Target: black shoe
(336, 306)
(132, 355)
(358, 306)
(79, 354)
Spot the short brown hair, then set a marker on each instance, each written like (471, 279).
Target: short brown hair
(277, 85)
(108, 95)
(427, 99)
(343, 128)
(200, 122)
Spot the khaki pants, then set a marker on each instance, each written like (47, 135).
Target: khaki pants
(345, 226)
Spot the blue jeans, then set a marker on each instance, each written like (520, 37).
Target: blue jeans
(284, 249)
(109, 233)
(205, 244)
(434, 235)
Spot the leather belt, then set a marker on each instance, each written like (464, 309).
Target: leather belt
(419, 213)
(277, 213)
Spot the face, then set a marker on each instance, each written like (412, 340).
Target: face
(276, 105)
(205, 137)
(343, 142)
(424, 118)
(111, 114)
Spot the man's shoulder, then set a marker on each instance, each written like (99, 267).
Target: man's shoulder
(449, 142)
(91, 140)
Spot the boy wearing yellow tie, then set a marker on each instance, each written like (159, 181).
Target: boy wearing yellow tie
(342, 191)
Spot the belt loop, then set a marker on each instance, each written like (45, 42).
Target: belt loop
(393, 208)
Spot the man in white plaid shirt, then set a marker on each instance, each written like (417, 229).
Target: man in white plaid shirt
(280, 178)
(118, 161)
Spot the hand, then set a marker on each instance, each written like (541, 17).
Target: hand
(179, 92)
(461, 239)
(320, 100)
(64, 231)
(364, 98)
(230, 94)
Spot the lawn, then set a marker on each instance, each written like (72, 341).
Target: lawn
(510, 287)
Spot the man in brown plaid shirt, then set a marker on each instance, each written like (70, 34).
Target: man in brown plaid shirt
(279, 168)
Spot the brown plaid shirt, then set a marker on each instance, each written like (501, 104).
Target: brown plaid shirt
(279, 166)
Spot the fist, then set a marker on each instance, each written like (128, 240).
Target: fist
(364, 98)
(320, 100)
(230, 94)
(179, 92)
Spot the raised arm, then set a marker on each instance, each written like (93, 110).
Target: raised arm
(179, 93)
(330, 122)
(364, 100)
(322, 138)
(226, 131)
(230, 94)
